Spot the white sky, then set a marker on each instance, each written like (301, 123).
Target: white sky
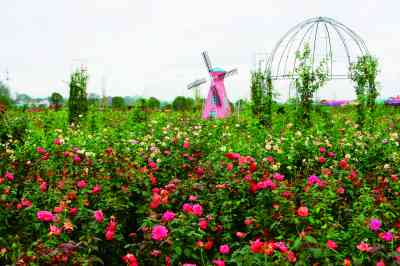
(152, 47)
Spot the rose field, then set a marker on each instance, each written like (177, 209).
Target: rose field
(172, 189)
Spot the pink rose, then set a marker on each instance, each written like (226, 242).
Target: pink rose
(386, 236)
(44, 216)
(76, 159)
(152, 165)
(197, 210)
(302, 211)
(81, 184)
(99, 216)
(111, 228)
(130, 259)
(224, 249)
(192, 197)
(375, 224)
(279, 177)
(203, 224)
(159, 232)
(313, 179)
(40, 150)
(54, 230)
(240, 234)
(57, 141)
(232, 156)
(58, 209)
(73, 211)
(331, 244)
(9, 176)
(186, 145)
(281, 246)
(256, 246)
(110, 235)
(43, 187)
(187, 208)
(26, 203)
(219, 262)
(168, 216)
(96, 189)
(364, 247)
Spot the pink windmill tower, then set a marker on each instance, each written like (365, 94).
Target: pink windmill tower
(217, 103)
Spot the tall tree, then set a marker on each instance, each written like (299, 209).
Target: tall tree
(56, 100)
(181, 103)
(5, 96)
(153, 103)
(117, 102)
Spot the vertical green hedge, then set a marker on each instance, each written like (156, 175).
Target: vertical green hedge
(364, 73)
(308, 80)
(77, 103)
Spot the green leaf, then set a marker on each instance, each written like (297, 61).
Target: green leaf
(317, 252)
(311, 239)
(177, 250)
(296, 244)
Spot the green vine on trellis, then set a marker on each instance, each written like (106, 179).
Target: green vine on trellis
(262, 96)
(77, 102)
(364, 73)
(307, 81)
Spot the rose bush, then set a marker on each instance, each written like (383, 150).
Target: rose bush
(176, 190)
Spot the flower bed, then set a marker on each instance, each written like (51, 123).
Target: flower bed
(179, 191)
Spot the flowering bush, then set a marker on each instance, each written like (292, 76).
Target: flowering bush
(179, 191)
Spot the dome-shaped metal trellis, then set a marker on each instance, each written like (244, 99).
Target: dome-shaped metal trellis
(328, 40)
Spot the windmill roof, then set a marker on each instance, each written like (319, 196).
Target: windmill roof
(217, 69)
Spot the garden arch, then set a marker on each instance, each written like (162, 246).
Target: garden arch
(328, 40)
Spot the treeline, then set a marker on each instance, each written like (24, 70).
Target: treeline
(57, 101)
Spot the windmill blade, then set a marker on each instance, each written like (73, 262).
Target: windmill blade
(207, 60)
(231, 72)
(196, 83)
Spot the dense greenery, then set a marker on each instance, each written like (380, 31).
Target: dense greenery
(308, 80)
(257, 83)
(181, 103)
(364, 73)
(56, 100)
(77, 102)
(229, 192)
(5, 97)
(153, 103)
(117, 102)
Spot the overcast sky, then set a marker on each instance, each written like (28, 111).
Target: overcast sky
(152, 47)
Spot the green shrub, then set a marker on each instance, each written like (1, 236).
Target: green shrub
(118, 102)
(77, 102)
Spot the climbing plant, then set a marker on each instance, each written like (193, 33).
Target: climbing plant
(267, 100)
(364, 73)
(307, 81)
(256, 88)
(77, 103)
(261, 96)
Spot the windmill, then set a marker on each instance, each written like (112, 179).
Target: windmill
(217, 103)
